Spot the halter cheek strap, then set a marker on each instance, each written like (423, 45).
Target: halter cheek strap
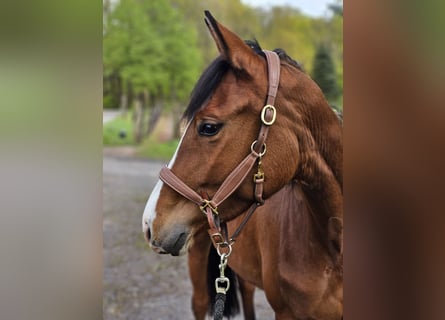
(238, 175)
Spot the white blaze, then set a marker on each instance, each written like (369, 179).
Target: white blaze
(150, 208)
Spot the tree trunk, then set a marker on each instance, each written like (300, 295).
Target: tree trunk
(177, 121)
(154, 115)
(138, 117)
(124, 104)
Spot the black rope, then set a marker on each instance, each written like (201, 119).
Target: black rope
(219, 306)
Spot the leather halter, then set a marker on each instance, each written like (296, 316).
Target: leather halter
(237, 176)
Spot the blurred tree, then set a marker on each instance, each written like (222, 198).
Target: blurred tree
(155, 50)
(329, 31)
(336, 8)
(242, 19)
(335, 28)
(152, 55)
(323, 74)
(288, 28)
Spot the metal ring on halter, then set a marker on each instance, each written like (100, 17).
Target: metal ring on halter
(263, 115)
(261, 153)
(224, 245)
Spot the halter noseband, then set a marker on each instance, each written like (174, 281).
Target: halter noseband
(237, 176)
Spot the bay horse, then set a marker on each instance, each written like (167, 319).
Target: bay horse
(292, 246)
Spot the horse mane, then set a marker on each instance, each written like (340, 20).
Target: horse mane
(255, 46)
(207, 83)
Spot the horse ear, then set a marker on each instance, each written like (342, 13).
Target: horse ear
(231, 47)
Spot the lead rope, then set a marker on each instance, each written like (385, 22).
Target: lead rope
(222, 284)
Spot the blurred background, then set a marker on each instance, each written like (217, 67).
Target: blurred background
(154, 52)
(55, 181)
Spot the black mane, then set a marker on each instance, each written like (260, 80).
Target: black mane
(281, 53)
(206, 84)
(212, 77)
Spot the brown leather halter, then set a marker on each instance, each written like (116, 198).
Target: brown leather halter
(237, 176)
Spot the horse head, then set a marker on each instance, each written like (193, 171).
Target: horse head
(223, 117)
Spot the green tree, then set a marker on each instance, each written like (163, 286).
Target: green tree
(335, 26)
(242, 19)
(155, 50)
(323, 73)
(153, 55)
(287, 28)
(336, 8)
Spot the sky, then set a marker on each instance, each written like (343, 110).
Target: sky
(314, 8)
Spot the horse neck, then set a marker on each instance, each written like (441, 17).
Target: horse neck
(319, 138)
(322, 128)
(299, 231)
(320, 181)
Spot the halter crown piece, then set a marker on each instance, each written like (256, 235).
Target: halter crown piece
(258, 148)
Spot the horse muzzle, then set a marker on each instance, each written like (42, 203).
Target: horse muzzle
(174, 242)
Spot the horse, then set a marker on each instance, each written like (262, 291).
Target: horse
(291, 247)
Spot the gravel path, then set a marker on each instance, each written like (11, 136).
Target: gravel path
(137, 283)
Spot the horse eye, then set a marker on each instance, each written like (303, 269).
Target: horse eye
(209, 129)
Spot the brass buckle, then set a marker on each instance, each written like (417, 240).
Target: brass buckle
(207, 203)
(217, 238)
(258, 176)
(263, 115)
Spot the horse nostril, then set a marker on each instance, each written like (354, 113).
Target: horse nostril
(148, 234)
(146, 231)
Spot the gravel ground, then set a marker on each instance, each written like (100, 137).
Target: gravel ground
(137, 283)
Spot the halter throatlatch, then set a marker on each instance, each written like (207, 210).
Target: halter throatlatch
(218, 229)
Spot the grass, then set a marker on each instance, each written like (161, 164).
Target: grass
(119, 131)
(150, 148)
(153, 149)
